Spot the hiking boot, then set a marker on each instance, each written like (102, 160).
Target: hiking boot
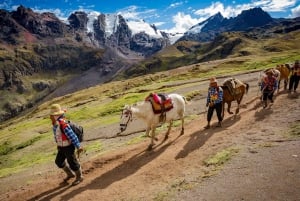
(219, 124)
(271, 101)
(207, 126)
(69, 173)
(79, 177)
(265, 104)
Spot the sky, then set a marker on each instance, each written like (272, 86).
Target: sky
(174, 16)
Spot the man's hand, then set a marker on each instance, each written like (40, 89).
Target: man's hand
(79, 151)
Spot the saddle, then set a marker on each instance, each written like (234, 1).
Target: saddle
(233, 85)
(161, 103)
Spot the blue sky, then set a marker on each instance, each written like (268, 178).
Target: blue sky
(167, 15)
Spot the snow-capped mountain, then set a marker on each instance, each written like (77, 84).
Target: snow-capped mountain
(114, 31)
(210, 28)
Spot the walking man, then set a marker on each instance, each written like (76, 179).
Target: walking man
(268, 87)
(295, 77)
(214, 102)
(67, 142)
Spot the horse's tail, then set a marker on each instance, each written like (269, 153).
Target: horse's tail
(247, 87)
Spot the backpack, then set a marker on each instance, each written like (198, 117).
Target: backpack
(77, 129)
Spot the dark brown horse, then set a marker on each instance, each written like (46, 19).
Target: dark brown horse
(233, 90)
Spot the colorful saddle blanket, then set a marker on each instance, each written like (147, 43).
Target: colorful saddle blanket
(160, 102)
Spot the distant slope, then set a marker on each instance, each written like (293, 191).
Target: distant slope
(282, 38)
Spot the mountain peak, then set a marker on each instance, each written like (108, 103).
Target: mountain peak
(208, 29)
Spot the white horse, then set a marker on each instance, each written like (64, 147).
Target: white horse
(143, 110)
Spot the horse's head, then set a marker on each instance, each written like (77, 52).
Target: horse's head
(126, 117)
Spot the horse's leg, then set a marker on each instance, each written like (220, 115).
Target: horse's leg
(152, 137)
(238, 108)
(228, 109)
(285, 84)
(182, 126)
(169, 129)
(148, 131)
(238, 104)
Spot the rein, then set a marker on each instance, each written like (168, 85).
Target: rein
(129, 112)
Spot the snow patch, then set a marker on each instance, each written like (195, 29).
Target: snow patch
(112, 22)
(92, 16)
(196, 29)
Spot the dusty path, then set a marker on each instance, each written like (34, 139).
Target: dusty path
(174, 170)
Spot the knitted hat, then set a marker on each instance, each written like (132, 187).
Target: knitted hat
(55, 109)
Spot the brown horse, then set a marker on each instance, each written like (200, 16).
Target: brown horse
(284, 74)
(233, 90)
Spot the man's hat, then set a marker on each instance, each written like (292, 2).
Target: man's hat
(55, 109)
(270, 72)
(297, 62)
(213, 80)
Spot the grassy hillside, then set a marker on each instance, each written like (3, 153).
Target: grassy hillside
(27, 141)
(28, 73)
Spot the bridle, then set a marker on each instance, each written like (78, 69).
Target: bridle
(127, 113)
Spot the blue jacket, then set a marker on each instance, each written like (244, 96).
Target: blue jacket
(215, 95)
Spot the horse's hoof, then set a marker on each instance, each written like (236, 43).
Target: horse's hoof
(150, 147)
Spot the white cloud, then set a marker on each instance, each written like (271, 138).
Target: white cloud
(275, 5)
(58, 13)
(137, 13)
(296, 11)
(174, 5)
(216, 7)
(182, 23)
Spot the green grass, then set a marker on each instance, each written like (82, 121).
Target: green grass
(221, 157)
(92, 147)
(137, 139)
(294, 130)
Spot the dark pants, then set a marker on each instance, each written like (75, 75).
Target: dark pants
(69, 154)
(218, 108)
(294, 81)
(268, 94)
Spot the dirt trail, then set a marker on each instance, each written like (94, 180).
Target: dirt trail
(174, 170)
